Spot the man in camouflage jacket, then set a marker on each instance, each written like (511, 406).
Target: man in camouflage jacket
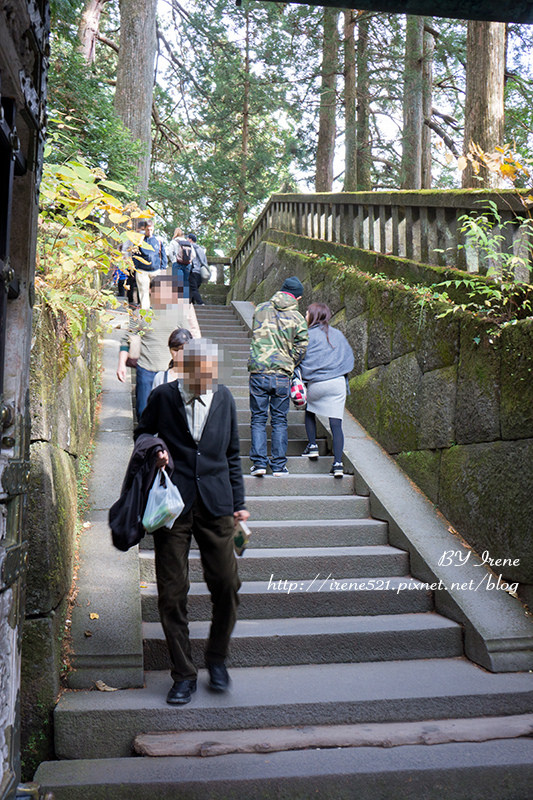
(279, 342)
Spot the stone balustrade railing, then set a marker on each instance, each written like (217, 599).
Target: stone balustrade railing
(423, 226)
(220, 262)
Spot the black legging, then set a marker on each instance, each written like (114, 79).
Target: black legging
(336, 432)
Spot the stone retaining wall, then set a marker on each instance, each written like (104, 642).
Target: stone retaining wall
(449, 400)
(63, 393)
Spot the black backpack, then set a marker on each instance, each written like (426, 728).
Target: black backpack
(184, 255)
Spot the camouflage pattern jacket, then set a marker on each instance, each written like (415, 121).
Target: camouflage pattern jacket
(279, 336)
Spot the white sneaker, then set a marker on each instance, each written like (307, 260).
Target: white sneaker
(258, 471)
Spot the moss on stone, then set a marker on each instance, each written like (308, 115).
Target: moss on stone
(40, 669)
(399, 404)
(485, 491)
(365, 398)
(422, 466)
(50, 525)
(380, 325)
(516, 380)
(478, 383)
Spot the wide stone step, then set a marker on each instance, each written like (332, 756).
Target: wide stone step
(281, 642)
(296, 430)
(103, 724)
(338, 597)
(295, 446)
(309, 533)
(294, 416)
(237, 380)
(225, 333)
(290, 485)
(298, 465)
(304, 506)
(300, 564)
(452, 771)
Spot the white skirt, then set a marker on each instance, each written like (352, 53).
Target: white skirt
(327, 397)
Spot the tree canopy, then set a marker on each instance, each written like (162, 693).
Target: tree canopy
(239, 99)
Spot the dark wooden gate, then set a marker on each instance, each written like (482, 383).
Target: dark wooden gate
(23, 67)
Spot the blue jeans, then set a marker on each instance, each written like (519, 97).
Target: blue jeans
(182, 272)
(143, 387)
(269, 390)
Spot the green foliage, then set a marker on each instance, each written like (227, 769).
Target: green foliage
(83, 123)
(82, 225)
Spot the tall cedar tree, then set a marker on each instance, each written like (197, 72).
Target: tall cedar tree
(325, 152)
(484, 108)
(135, 78)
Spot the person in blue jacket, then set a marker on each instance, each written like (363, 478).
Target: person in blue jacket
(325, 367)
(148, 261)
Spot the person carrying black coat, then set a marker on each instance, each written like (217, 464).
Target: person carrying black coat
(198, 421)
(125, 516)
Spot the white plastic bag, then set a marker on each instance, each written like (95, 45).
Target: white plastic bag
(164, 503)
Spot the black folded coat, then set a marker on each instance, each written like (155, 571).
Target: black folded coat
(125, 516)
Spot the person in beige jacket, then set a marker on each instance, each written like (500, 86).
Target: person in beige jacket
(169, 311)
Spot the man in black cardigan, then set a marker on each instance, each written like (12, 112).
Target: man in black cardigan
(198, 422)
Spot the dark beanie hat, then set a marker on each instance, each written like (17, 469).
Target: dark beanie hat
(293, 286)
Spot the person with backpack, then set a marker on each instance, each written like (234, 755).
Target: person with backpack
(200, 270)
(148, 261)
(180, 255)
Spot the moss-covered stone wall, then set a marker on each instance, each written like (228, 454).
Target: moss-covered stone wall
(451, 401)
(63, 395)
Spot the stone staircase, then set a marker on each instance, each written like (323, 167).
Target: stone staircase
(327, 635)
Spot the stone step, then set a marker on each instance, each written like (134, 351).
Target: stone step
(211, 310)
(229, 340)
(265, 599)
(225, 333)
(93, 724)
(294, 416)
(296, 430)
(457, 771)
(304, 506)
(290, 485)
(295, 446)
(309, 533)
(298, 465)
(299, 564)
(237, 381)
(308, 640)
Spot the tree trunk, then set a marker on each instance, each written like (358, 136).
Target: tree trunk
(328, 101)
(350, 93)
(427, 106)
(484, 109)
(135, 78)
(88, 28)
(411, 168)
(364, 154)
(241, 205)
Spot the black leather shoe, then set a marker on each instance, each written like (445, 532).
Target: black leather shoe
(218, 677)
(181, 692)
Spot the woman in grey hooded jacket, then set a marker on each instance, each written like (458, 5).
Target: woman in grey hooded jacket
(325, 367)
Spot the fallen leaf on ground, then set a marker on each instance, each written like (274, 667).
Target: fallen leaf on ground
(93, 615)
(103, 687)
(87, 633)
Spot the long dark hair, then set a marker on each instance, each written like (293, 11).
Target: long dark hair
(320, 314)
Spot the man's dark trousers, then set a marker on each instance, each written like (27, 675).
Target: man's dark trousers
(214, 536)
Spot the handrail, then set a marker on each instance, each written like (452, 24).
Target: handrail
(422, 225)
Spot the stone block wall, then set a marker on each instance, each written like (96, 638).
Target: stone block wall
(63, 393)
(452, 402)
